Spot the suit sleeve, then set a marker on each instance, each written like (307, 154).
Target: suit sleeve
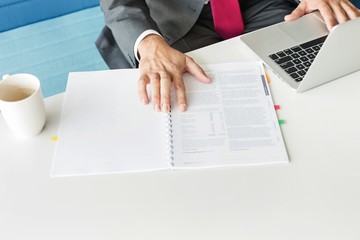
(127, 19)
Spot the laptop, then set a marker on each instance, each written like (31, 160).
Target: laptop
(304, 54)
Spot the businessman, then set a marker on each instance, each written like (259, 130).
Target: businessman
(154, 35)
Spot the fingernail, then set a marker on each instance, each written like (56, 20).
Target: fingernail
(165, 107)
(144, 101)
(157, 108)
(182, 107)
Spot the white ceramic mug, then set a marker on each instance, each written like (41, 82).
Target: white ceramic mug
(22, 104)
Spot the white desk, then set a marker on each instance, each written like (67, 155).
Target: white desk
(316, 196)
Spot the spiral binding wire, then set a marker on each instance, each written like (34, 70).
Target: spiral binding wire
(169, 137)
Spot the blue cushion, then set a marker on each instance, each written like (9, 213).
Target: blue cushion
(16, 13)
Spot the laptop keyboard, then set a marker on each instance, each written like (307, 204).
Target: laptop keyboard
(297, 60)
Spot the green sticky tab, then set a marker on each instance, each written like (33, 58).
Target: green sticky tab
(281, 121)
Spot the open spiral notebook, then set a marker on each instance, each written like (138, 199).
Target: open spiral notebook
(105, 129)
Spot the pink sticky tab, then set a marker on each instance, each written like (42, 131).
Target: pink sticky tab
(277, 107)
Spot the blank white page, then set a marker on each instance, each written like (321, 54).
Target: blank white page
(105, 128)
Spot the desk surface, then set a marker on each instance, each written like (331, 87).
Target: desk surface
(316, 196)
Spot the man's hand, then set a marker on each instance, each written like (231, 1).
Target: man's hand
(333, 11)
(160, 65)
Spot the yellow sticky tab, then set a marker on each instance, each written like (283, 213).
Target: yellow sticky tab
(54, 138)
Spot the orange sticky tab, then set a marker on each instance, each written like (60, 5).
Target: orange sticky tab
(267, 77)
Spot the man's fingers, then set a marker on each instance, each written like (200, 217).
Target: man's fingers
(165, 84)
(328, 15)
(352, 11)
(160, 90)
(333, 12)
(298, 12)
(164, 71)
(142, 93)
(155, 91)
(196, 70)
(339, 13)
(180, 92)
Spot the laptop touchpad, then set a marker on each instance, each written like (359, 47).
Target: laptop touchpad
(305, 28)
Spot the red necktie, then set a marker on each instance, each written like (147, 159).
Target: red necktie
(227, 18)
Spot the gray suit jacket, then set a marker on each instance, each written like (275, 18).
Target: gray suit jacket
(127, 19)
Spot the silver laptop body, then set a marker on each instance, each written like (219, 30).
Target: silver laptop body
(338, 56)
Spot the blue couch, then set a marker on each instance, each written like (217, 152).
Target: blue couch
(16, 13)
(50, 38)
